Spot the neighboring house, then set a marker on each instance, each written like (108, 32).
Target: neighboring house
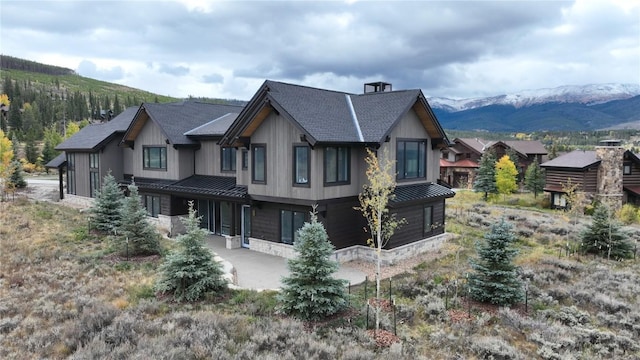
(90, 154)
(255, 173)
(609, 172)
(460, 161)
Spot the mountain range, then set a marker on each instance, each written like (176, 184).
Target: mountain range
(570, 108)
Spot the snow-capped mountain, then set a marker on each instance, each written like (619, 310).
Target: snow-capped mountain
(586, 94)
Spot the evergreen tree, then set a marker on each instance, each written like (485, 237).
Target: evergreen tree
(117, 108)
(534, 178)
(310, 292)
(190, 272)
(506, 176)
(31, 150)
(604, 237)
(107, 207)
(16, 179)
(486, 178)
(134, 233)
(495, 279)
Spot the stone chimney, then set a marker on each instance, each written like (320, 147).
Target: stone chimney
(611, 156)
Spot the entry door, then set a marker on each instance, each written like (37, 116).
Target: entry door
(206, 211)
(246, 225)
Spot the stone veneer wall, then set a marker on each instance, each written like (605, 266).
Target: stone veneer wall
(610, 174)
(359, 252)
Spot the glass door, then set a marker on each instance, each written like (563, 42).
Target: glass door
(246, 225)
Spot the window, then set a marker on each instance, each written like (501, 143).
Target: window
(626, 169)
(245, 159)
(301, 165)
(259, 164)
(71, 173)
(94, 183)
(411, 159)
(154, 158)
(152, 204)
(559, 200)
(228, 159)
(94, 161)
(225, 218)
(428, 219)
(290, 223)
(336, 165)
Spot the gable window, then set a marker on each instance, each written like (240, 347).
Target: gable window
(154, 157)
(626, 170)
(71, 173)
(290, 223)
(245, 159)
(259, 164)
(336, 165)
(411, 159)
(152, 204)
(428, 219)
(301, 165)
(228, 159)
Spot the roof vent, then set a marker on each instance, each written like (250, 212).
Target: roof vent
(377, 87)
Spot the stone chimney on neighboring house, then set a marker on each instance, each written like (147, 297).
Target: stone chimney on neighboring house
(610, 172)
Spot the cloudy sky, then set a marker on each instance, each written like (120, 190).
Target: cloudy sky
(226, 49)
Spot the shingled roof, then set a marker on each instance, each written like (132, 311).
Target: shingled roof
(577, 159)
(328, 116)
(216, 127)
(176, 119)
(95, 136)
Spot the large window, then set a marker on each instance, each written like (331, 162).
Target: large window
(71, 173)
(411, 159)
(228, 159)
(290, 223)
(152, 204)
(226, 218)
(336, 165)
(94, 161)
(259, 164)
(428, 219)
(94, 175)
(301, 165)
(154, 157)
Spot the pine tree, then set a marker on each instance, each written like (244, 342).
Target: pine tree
(310, 292)
(16, 179)
(191, 272)
(31, 150)
(107, 207)
(534, 178)
(486, 178)
(495, 278)
(506, 176)
(135, 234)
(604, 237)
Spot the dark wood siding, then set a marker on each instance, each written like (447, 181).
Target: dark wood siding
(265, 223)
(632, 179)
(588, 178)
(413, 228)
(345, 226)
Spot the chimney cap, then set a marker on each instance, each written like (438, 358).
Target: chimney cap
(378, 86)
(610, 142)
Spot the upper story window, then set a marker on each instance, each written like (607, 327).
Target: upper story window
(228, 159)
(259, 163)
(154, 157)
(94, 160)
(411, 159)
(301, 165)
(336, 165)
(626, 170)
(245, 159)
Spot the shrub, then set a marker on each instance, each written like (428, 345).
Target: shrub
(494, 348)
(628, 214)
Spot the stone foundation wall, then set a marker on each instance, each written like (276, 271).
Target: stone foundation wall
(359, 252)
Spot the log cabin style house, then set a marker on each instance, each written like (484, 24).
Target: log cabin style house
(255, 172)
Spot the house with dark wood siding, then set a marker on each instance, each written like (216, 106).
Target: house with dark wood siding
(255, 172)
(609, 171)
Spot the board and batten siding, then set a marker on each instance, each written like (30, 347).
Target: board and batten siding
(280, 135)
(413, 228)
(180, 162)
(111, 160)
(82, 174)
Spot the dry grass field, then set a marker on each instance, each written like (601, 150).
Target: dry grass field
(64, 295)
